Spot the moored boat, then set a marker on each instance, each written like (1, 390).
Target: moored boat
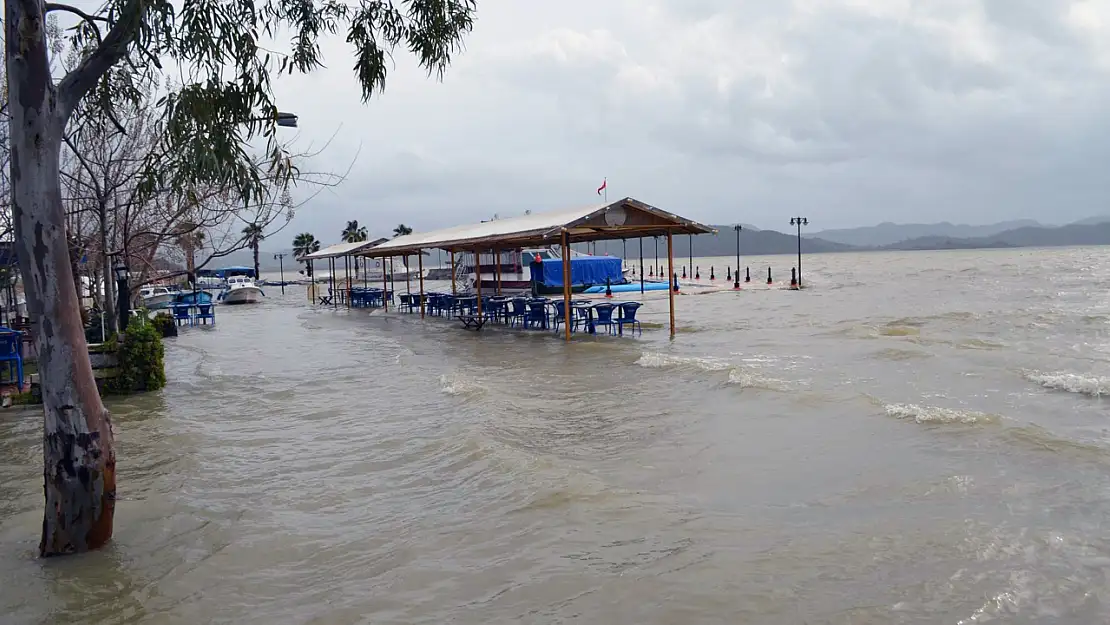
(240, 290)
(156, 297)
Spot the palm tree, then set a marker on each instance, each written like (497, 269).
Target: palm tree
(400, 231)
(253, 236)
(354, 233)
(304, 244)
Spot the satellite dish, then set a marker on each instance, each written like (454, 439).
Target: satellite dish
(615, 216)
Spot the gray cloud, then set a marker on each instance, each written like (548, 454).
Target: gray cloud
(849, 111)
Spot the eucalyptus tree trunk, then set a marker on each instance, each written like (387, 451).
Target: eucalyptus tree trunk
(79, 479)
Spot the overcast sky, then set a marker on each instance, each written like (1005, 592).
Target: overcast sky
(848, 112)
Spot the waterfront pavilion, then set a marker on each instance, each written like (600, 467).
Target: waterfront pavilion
(626, 218)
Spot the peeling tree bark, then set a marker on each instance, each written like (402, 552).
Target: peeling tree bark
(79, 481)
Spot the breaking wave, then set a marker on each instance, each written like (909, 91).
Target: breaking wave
(936, 414)
(653, 360)
(742, 376)
(458, 385)
(1090, 385)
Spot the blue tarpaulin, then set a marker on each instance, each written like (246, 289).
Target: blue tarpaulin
(584, 270)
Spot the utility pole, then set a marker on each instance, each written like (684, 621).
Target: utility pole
(281, 268)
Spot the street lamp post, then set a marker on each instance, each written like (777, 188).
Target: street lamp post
(799, 222)
(736, 276)
(123, 299)
(281, 269)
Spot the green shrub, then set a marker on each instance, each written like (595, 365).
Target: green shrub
(141, 364)
(165, 324)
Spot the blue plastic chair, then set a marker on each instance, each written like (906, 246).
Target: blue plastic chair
(11, 352)
(206, 313)
(561, 317)
(604, 312)
(628, 317)
(537, 314)
(181, 314)
(517, 311)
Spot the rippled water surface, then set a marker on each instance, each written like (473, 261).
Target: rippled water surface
(917, 438)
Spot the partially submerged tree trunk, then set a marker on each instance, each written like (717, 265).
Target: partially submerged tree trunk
(79, 481)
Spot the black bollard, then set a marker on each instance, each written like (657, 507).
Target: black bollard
(697, 273)
(711, 276)
(651, 272)
(683, 273)
(728, 276)
(793, 277)
(608, 289)
(747, 274)
(676, 283)
(769, 276)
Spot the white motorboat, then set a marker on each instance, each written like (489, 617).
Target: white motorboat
(156, 297)
(240, 290)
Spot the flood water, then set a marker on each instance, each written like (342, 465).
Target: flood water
(916, 438)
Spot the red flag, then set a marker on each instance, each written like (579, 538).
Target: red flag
(604, 181)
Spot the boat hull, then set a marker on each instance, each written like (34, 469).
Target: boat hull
(160, 301)
(242, 295)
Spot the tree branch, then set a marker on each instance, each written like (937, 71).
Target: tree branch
(54, 6)
(77, 82)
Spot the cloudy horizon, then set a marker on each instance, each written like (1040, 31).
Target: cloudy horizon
(849, 112)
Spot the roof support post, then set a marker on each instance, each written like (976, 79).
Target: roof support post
(385, 287)
(454, 291)
(641, 266)
(331, 287)
(670, 277)
(478, 281)
(566, 284)
(347, 269)
(497, 268)
(420, 270)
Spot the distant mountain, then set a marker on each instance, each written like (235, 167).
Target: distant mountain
(946, 243)
(1091, 221)
(1071, 234)
(888, 233)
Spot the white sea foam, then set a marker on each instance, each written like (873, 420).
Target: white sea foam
(744, 376)
(749, 379)
(655, 360)
(936, 414)
(454, 384)
(1091, 385)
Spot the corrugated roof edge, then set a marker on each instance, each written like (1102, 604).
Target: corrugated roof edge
(546, 225)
